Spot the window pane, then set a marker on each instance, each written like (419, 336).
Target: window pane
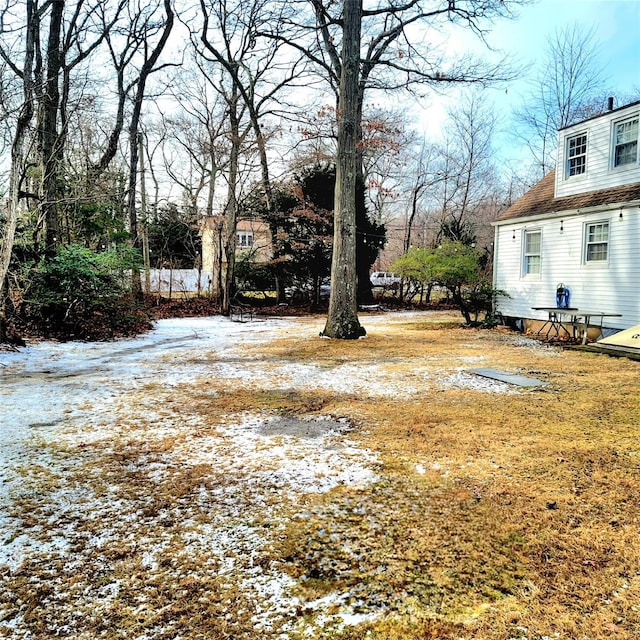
(577, 146)
(626, 143)
(577, 166)
(532, 243)
(532, 264)
(596, 252)
(626, 153)
(627, 131)
(599, 232)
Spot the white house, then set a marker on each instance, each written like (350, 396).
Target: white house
(579, 226)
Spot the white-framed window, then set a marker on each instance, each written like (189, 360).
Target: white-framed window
(245, 238)
(625, 142)
(576, 154)
(532, 252)
(596, 242)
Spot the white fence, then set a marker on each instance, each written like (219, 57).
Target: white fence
(166, 281)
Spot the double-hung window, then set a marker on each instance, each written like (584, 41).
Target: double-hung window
(625, 142)
(532, 250)
(576, 155)
(596, 244)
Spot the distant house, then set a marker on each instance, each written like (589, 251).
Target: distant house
(252, 234)
(579, 226)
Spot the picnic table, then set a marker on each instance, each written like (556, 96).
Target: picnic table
(578, 319)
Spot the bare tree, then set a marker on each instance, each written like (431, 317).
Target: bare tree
(48, 143)
(151, 55)
(52, 53)
(123, 45)
(195, 151)
(386, 136)
(194, 141)
(342, 320)
(18, 154)
(568, 88)
(221, 150)
(63, 36)
(225, 77)
(423, 179)
(467, 171)
(451, 190)
(232, 36)
(392, 57)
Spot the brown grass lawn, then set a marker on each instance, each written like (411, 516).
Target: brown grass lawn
(494, 516)
(523, 520)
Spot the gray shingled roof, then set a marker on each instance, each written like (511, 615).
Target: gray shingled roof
(539, 199)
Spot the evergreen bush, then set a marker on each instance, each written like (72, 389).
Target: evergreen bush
(83, 294)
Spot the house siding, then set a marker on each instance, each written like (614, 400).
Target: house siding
(611, 287)
(600, 173)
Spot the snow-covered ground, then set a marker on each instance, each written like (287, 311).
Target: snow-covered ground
(68, 410)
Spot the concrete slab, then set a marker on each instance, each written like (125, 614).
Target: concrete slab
(509, 378)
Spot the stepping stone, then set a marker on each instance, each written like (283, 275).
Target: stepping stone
(509, 378)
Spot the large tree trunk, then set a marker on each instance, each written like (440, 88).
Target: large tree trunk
(342, 319)
(49, 143)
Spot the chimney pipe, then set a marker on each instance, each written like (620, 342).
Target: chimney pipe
(610, 104)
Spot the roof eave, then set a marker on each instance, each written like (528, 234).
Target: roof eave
(567, 213)
(608, 112)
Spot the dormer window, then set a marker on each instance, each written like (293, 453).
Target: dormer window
(576, 155)
(625, 142)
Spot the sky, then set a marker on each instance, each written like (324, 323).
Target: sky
(616, 25)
